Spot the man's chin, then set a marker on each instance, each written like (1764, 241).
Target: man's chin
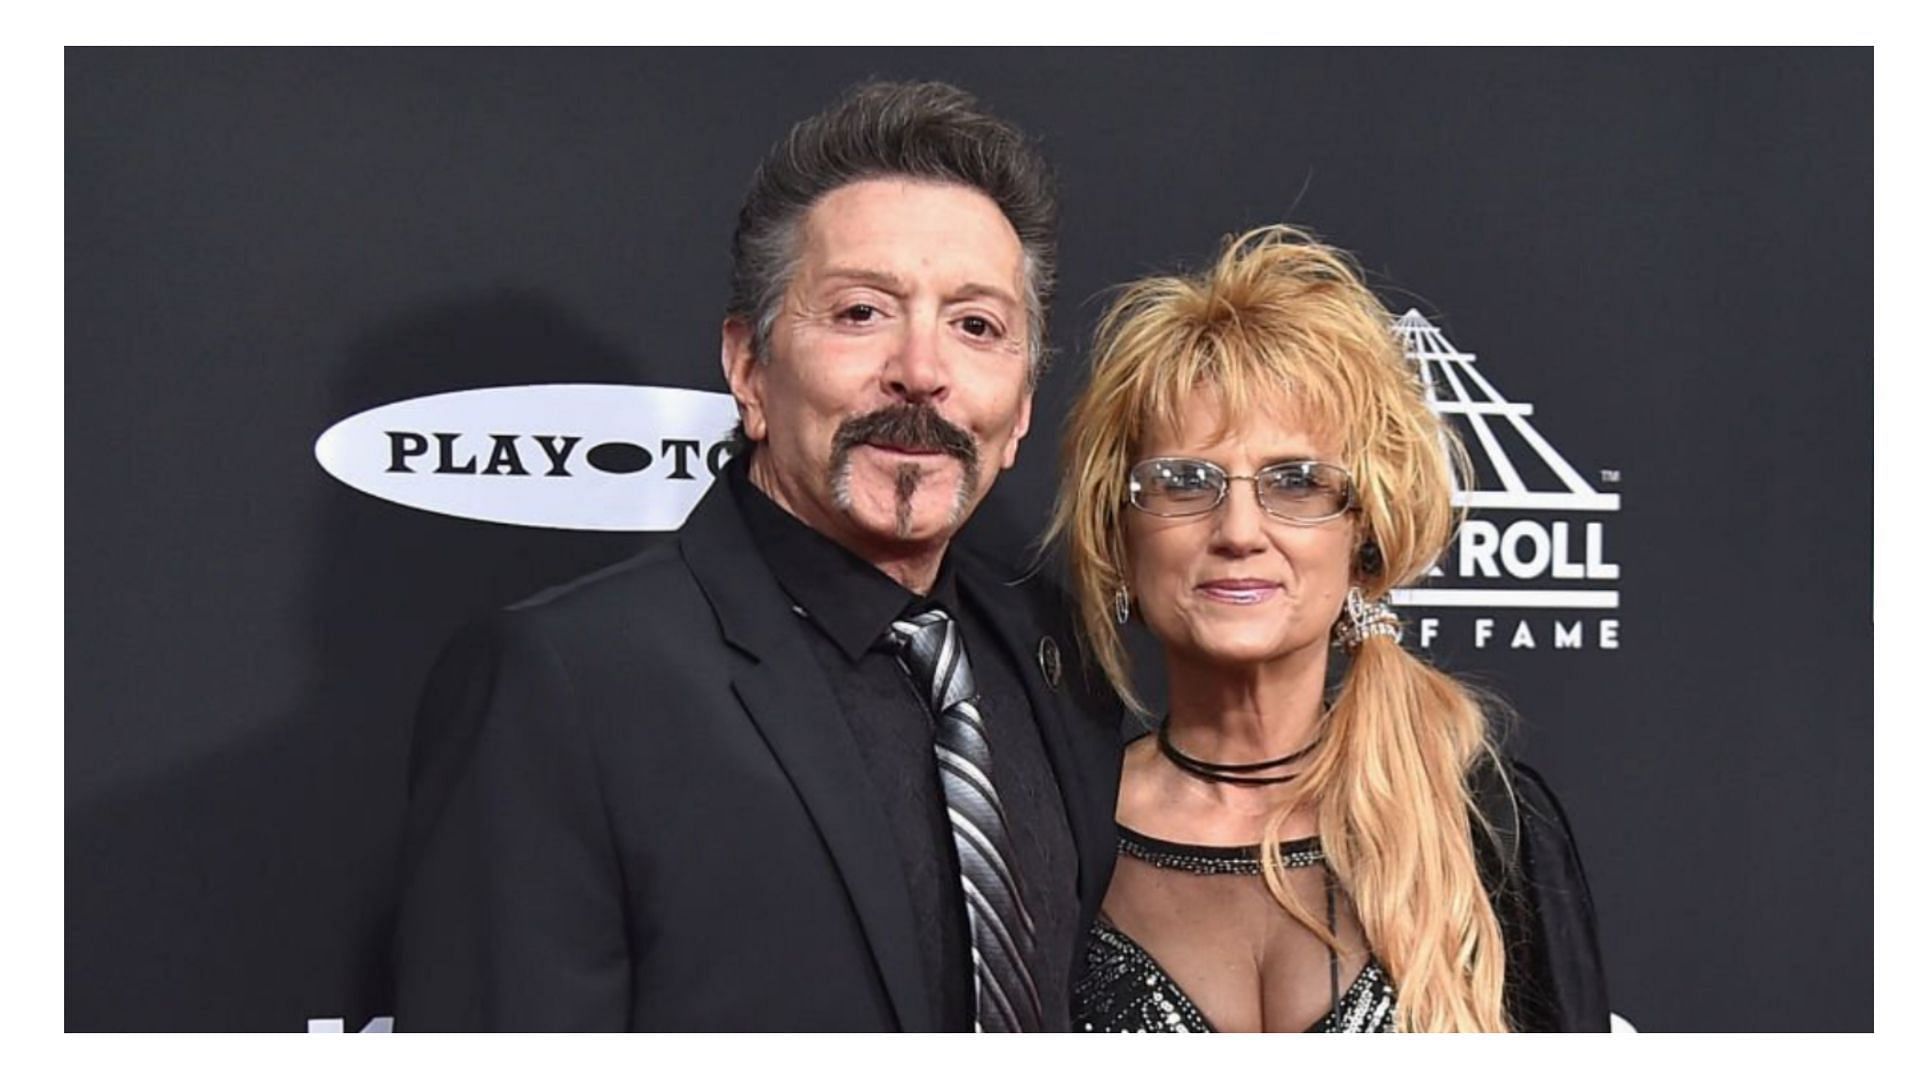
(923, 509)
(926, 520)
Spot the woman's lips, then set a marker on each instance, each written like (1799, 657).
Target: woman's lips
(1239, 592)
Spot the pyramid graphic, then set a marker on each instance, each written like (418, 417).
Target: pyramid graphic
(1500, 428)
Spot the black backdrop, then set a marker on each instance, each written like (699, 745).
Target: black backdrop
(1666, 253)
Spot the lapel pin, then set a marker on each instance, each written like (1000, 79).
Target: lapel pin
(1049, 656)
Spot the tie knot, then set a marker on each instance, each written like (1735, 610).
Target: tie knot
(930, 624)
(929, 647)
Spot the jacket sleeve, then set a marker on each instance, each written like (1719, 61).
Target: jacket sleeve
(510, 911)
(1555, 979)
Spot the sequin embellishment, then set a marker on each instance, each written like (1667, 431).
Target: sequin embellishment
(1125, 990)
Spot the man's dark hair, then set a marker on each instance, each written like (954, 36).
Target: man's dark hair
(922, 130)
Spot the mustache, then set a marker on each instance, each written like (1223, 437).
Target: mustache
(908, 427)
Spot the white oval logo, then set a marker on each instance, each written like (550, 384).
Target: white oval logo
(594, 457)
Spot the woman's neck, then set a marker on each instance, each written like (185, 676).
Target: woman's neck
(1236, 715)
(1246, 713)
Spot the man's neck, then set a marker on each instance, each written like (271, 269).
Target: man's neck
(915, 574)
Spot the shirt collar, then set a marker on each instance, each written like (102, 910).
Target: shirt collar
(853, 603)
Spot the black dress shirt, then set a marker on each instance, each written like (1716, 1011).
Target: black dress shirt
(853, 605)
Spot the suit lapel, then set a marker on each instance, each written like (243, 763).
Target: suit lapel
(1066, 735)
(788, 698)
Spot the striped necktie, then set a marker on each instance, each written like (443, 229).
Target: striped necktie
(997, 920)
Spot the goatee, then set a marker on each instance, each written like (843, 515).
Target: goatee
(905, 427)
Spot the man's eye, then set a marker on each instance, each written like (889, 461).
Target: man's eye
(860, 312)
(975, 326)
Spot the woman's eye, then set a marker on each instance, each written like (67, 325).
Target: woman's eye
(1292, 482)
(975, 326)
(860, 312)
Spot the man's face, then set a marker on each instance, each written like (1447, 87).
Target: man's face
(895, 390)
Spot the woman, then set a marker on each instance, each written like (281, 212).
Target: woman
(1250, 470)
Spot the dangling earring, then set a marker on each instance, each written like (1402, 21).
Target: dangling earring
(1122, 606)
(1359, 620)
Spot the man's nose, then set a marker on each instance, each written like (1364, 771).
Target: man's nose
(917, 370)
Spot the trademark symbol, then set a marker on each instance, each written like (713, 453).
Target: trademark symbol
(1609, 475)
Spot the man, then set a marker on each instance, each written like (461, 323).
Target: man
(808, 766)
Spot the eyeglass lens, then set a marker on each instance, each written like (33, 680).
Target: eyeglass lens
(1297, 490)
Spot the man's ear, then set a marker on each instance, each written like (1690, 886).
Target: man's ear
(1019, 430)
(743, 376)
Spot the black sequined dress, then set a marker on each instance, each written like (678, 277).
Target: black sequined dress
(1189, 939)
(1207, 913)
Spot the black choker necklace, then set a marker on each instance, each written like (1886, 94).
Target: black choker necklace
(1231, 773)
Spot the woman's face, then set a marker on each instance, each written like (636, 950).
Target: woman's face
(1236, 585)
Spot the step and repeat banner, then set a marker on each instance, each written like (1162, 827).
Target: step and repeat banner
(362, 344)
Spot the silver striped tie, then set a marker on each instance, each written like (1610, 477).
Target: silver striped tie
(1004, 995)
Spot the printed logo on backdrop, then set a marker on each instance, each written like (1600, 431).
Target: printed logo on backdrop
(581, 456)
(1530, 568)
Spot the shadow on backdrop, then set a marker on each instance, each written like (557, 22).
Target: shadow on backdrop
(305, 921)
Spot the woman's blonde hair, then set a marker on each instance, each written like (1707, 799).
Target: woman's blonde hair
(1281, 318)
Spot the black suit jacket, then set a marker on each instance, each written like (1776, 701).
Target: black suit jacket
(634, 804)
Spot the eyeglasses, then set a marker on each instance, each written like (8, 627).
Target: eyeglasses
(1304, 492)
